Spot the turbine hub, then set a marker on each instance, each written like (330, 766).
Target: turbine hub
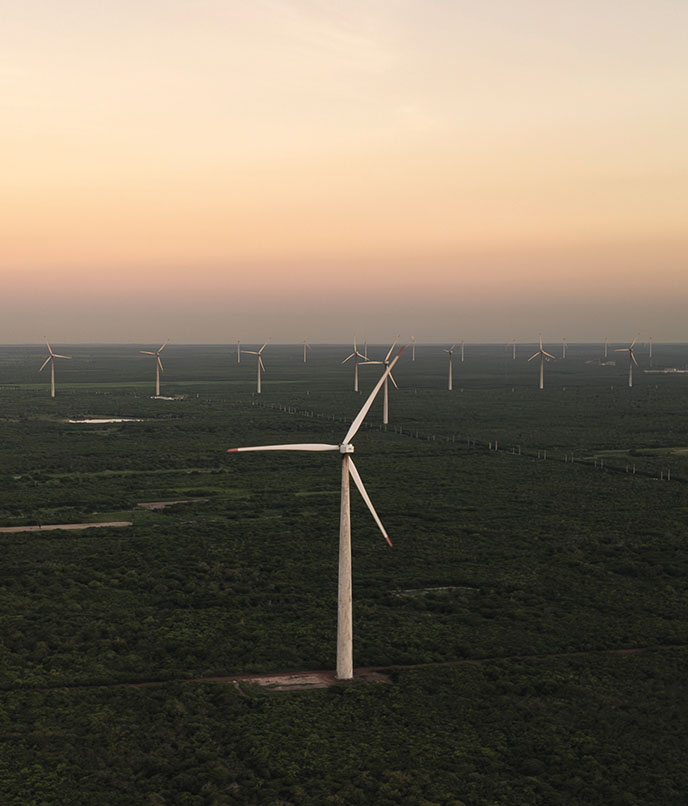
(346, 448)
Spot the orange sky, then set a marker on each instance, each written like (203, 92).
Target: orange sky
(218, 169)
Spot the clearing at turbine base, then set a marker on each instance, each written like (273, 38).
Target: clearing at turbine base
(51, 358)
(357, 358)
(345, 661)
(261, 365)
(387, 377)
(631, 359)
(543, 356)
(158, 365)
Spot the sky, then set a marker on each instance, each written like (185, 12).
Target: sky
(216, 170)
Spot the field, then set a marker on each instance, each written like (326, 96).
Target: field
(534, 531)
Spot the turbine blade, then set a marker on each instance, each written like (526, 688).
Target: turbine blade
(260, 361)
(162, 347)
(50, 349)
(57, 355)
(633, 359)
(634, 341)
(621, 350)
(302, 446)
(44, 363)
(369, 363)
(362, 490)
(534, 355)
(390, 351)
(391, 377)
(348, 357)
(262, 348)
(162, 369)
(249, 352)
(549, 355)
(356, 424)
(147, 352)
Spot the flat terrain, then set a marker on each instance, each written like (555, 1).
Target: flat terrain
(533, 531)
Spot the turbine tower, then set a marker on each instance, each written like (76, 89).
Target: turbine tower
(306, 346)
(387, 377)
(650, 348)
(606, 346)
(238, 352)
(261, 365)
(631, 359)
(51, 358)
(563, 348)
(158, 366)
(513, 349)
(345, 661)
(543, 355)
(357, 358)
(462, 350)
(450, 353)
(413, 348)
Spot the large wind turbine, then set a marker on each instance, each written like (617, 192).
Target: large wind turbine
(158, 366)
(543, 355)
(387, 377)
(450, 353)
(261, 365)
(306, 346)
(51, 358)
(345, 660)
(631, 359)
(357, 358)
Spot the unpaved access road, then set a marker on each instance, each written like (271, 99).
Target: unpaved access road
(52, 526)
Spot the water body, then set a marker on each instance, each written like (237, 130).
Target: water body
(100, 420)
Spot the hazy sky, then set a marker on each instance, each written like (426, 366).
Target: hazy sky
(210, 170)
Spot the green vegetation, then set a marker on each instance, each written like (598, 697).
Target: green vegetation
(495, 555)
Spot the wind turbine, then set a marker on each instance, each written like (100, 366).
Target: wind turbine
(563, 348)
(606, 346)
(650, 348)
(261, 365)
(387, 377)
(345, 661)
(413, 348)
(238, 352)
(51, 358)
(513, 349)
(631, 359)
(158, 366)
(306, 346)
(462, 346)
(356, 356)
(543, 355)
(450, 353)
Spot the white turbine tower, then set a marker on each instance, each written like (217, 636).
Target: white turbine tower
(563, 348)
(462, 351)
(345, 661)
(158, 366)
(543, 355)
(238, 352)
(51, 359)
(261, 365)
(513, 349)
(413, 348)
(450, 353)
(606, 346)
(387, 377)
(650, 348)
(306, 346)
(631, 359)
(357, 358)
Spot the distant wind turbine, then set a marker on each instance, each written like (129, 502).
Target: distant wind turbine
(462, 351)
(158, 366)
(450, 353)
(358, 357)
(413, 348)
(51, 359)
(543, 355)
(306, 346)
(606, 346)
(650, 348)
(513, 349)
(238, 352)
(563, 348)
(631, 359)
(261, 365)
(345, 660)
(387, 377)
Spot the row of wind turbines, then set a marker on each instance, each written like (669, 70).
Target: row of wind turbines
(360, 358)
